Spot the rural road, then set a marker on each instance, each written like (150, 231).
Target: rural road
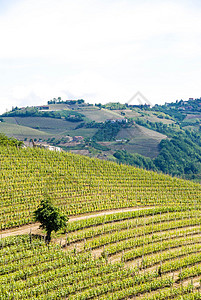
(34, 228)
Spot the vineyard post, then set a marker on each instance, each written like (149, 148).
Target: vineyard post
(161, 246)
(161, 268)
(138, 266)
(142, 261)
(66, 239)
(122, 257)
(106, 257)
(192, 283)
(160, 222)
(180, 276)
(30, 236)
(172, 278)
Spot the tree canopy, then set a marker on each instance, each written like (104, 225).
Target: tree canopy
(6, 141)
(50, 217)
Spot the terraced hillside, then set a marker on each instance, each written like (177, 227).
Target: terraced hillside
(149, 250)
(141, 140)
(80, 185)
(145, 254)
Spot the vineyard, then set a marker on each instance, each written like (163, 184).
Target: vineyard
(148, 247)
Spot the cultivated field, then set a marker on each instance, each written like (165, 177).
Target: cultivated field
(14, 130)
(132, 234)
(101, 115)
(141, 140)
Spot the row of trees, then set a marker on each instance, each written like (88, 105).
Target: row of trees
(167, 129)
(69, 102)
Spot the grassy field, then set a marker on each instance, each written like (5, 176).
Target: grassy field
(49, 125)
(101, 115)
(43, 127)
(20, 132)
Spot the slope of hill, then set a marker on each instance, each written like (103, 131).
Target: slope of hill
(100, 115)
(151, 250)
(47, 126)
(141, 140)
(21, 132)
(58, 127)
(92, 184)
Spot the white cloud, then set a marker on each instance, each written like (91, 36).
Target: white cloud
(99, 49)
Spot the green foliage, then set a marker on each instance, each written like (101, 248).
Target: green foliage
(32, 112)
(5, 141)
(99, 146)
(179, 109)
(49, 217)
(78, 184)
(95, 145)
(93, 124)
(107, 132)
(179, 156)
(162, 240)
(113, 106)
(69, 102)
(72, 117)
(166, 129)
(137, 160)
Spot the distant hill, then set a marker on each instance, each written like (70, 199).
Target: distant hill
(103, 130)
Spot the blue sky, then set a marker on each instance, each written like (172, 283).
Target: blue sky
(99, 50)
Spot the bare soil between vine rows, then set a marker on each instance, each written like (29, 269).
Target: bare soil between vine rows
(34, 228)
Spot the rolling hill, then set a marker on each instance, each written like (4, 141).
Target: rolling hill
(132, 233)
(21, 132)
(140, 140)
(104, 130)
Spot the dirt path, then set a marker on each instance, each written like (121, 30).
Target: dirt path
(34, 228)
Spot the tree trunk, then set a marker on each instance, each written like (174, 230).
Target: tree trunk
(48, 237)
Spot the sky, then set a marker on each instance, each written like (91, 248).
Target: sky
(99, 50)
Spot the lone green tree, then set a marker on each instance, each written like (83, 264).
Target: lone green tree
(50, 217)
